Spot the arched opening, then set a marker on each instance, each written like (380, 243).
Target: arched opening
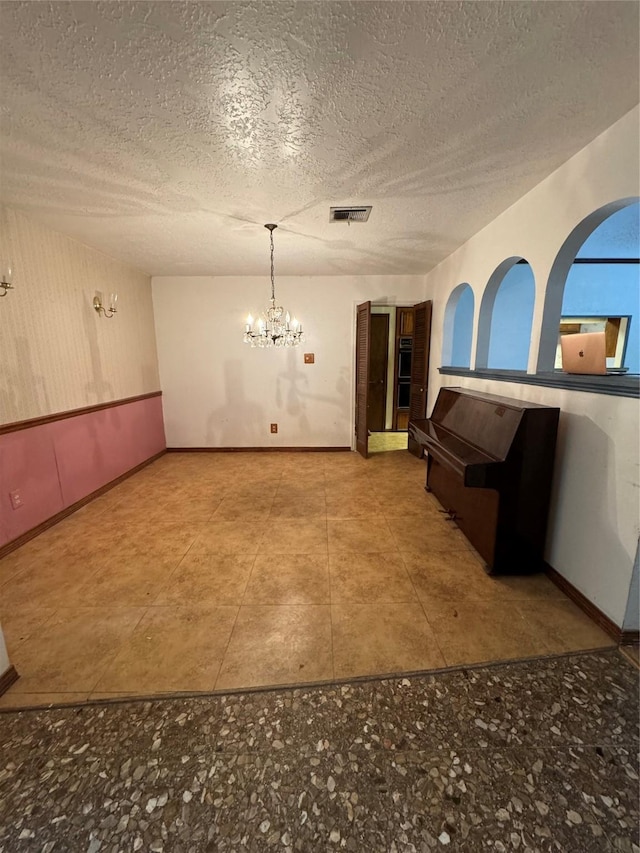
(594, 284)
(458, 327)
(506, 315)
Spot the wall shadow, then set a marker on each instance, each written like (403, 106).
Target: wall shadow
(15, 378)
(292, 393)
(239, 422)
(584, 515)
(98, 389)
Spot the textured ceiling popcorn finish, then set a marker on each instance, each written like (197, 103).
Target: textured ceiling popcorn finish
(167, 133)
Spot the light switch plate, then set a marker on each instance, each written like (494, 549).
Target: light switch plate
(309, 358)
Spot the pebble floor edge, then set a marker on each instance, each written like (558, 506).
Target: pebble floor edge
(528, 756)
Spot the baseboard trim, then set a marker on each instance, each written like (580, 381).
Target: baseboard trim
(59, 516)
(630, 638)
(8, 677)
(257, 449)
(74, 413)
(584, 604)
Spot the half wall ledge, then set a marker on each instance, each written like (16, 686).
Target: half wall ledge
(615, 385)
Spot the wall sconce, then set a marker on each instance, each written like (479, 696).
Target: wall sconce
(5, 284)
(111, 310)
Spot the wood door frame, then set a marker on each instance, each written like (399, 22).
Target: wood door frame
(363, 321)
(420, 371)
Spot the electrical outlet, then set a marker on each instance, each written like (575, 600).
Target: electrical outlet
(274, 427)
(16, 500)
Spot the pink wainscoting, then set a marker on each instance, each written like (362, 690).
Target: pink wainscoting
(27, 463)
(56, 464)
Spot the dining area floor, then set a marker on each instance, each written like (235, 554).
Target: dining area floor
(225, 571)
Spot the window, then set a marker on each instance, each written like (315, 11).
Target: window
(596, 278)
(458, 327)
(506, 314)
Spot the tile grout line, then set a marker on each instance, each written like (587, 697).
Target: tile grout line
(435, 636)
(118, 650)
(333, 657)
(235, 621)
(170, 576)
(331, 628)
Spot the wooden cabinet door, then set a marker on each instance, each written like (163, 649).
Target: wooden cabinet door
(405, 325)
(419, 367)
(363, 337)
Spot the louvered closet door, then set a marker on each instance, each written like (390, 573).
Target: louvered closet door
(419, 367)
(363, 337)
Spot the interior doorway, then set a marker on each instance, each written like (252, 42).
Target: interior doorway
(392, 358)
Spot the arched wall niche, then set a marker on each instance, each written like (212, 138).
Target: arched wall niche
(506, 315)
(458, 327)
(558, 276)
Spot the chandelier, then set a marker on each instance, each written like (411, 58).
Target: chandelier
(275, 327)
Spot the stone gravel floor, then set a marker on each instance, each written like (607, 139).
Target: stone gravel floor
(529, 756)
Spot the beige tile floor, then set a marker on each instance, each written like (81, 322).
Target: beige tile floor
(380, 442)
(230, 570)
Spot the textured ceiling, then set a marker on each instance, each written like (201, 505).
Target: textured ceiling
(167, 133)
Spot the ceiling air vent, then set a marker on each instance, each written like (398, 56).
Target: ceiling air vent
(349, 214)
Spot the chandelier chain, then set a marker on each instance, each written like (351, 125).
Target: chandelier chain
(273, 284)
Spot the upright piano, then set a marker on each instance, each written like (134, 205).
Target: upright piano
(490, 463)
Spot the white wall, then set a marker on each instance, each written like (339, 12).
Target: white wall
(218, 392)
(56, 353)
(595, 511)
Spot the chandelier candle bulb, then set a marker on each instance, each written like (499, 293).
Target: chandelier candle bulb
(98, 304)
(7, 278)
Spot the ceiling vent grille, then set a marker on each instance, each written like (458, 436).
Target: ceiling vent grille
(349, 214)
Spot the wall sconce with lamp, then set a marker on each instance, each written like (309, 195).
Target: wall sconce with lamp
(5, 284)
(99, 306)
